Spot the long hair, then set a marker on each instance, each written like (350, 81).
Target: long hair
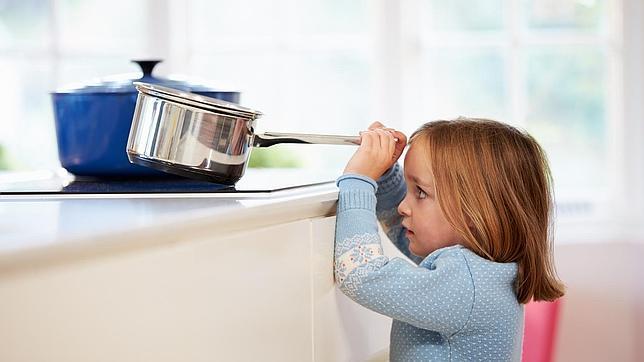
(494, 187)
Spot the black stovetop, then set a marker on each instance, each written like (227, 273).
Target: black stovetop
(102, 186)
(61, 182)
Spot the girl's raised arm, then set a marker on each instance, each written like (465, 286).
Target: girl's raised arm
(391, 191)
(437, 297)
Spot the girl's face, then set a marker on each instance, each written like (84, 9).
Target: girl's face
(427, 229)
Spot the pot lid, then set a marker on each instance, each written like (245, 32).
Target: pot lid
(124, 83)
(195, 100)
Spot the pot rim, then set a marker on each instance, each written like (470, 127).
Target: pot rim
(74, 92)
(199, 101)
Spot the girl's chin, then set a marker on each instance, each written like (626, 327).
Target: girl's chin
(413, 250)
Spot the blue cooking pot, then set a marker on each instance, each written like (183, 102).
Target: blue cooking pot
(93, 123)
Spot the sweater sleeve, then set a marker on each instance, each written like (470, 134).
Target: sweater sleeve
(437, 298)
(391, 191)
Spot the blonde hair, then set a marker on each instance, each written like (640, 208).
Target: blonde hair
(494, 187)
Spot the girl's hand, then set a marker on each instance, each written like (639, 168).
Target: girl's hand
(401, 142)
(379, 149)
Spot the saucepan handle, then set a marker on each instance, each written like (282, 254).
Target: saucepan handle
(268, 139)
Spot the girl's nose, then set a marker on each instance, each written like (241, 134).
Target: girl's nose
(403, 208)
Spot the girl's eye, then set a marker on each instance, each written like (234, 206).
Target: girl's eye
(420, 193)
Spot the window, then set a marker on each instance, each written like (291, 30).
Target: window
(548, 66)
(552, 67)
(307, 66)
(46, 44)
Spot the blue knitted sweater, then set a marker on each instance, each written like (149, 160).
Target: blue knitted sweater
(450, 306)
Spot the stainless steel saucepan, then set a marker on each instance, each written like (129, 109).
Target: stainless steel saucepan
(200, 137)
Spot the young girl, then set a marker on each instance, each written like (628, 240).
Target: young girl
(473, 213)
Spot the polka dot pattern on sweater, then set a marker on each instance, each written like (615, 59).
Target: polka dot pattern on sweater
(450, 306)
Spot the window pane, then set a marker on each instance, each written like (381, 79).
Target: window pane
(328, 93)
(215, 20)
(566, 111)
(24, 24)
(463, 15)
(584, 15)
(332, 16)
(106, 27)
(256, 75)
(467, 82)
(27, 124)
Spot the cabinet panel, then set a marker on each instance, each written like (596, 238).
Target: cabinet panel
(242, 297)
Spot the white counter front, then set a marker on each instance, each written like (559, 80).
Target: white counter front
(38, 226)
(168, 277)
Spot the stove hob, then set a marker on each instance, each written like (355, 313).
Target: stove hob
(61, 183)
(98, 186)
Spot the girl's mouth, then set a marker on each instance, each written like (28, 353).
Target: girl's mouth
(408, 232)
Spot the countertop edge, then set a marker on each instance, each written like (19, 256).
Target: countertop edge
(281, 207)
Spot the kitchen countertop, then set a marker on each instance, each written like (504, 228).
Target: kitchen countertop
(45, 228)
(76, 270)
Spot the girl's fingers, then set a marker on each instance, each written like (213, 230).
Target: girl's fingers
(381, 144)
(399, 136)
(366, 140)
(401, 143)
(379, 148)
(376, 125)
(382, 138)
(392, 145)
(387, 143)
(375, 144)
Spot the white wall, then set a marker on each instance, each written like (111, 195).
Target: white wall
(603, 311)
(638, 301)
(632, 159)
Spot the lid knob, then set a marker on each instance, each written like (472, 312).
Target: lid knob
(147, 66)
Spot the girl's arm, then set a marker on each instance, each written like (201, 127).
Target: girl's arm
(391, 191)
(438, 297)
